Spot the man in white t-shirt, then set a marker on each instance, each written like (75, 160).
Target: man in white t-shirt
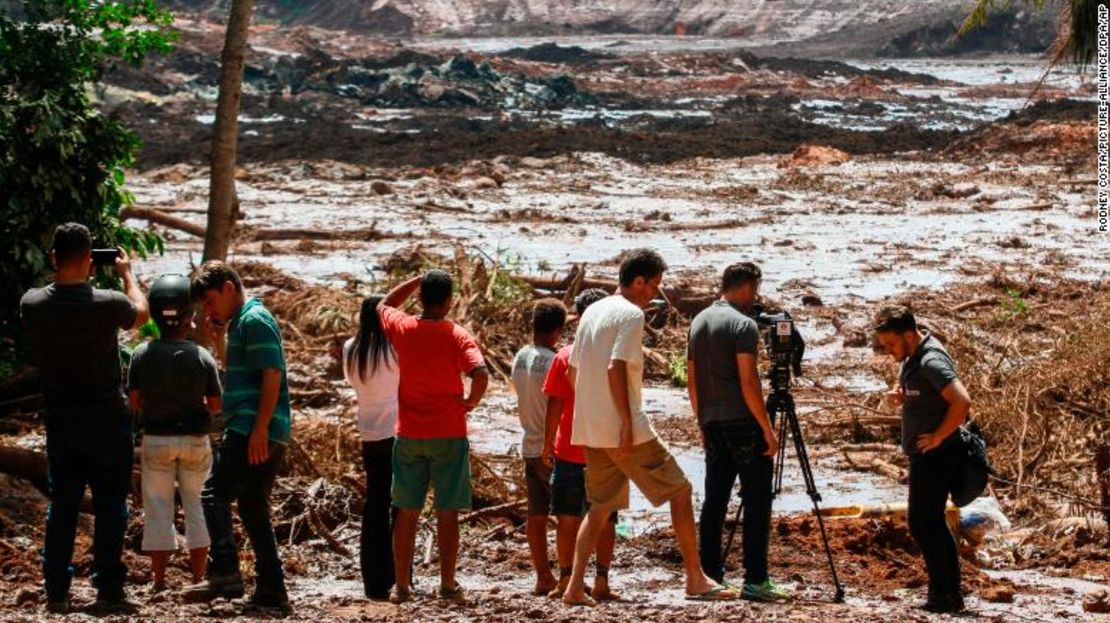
(607, 367)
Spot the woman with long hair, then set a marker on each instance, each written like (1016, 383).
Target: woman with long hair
(370, 366)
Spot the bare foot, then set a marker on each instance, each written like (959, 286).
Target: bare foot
(545, 585)
(602, 592)
(576, 596)
(560, 588)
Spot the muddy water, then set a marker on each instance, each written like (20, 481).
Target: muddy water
(495, 429)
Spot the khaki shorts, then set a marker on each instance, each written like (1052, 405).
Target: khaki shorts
(649, 465)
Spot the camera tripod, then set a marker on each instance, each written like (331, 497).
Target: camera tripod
(780, 409)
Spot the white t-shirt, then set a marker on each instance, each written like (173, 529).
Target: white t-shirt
(377, 395)
(529, 371)
(611, 329)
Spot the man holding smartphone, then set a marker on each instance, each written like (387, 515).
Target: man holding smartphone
(74, 329)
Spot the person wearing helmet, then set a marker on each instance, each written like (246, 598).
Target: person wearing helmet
(174, 385)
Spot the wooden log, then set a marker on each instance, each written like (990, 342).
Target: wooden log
(319, 528)
(1102, 464)
(30, 465)
(161, 218)
(491, 511)
(688, 301)
(365, 233)
(979, 302)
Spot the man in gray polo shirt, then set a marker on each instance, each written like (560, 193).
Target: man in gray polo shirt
(934, 405)
(739, 439)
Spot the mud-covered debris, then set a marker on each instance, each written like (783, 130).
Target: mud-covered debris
(381, 188)
(1001, 593)
(1097, 602)
(808, 155)
(810, 299)
(552, 52)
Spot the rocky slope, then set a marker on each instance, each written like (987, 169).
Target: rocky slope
(763, 19)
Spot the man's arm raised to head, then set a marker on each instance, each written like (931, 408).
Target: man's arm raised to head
(132, 290)
(398, 295)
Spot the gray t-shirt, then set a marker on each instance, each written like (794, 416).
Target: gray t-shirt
(173, 379)
(717, 335)
(922, 379)
(530, 368)
(74, 331)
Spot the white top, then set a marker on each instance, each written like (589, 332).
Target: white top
(529, 371)
(377, 395)
(611, 329)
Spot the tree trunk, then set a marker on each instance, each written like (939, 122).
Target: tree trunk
(222, 200)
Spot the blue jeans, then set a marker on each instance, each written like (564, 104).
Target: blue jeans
(100, 458)
(233, 478)
(735, 449)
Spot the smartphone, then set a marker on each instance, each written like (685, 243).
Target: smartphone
(104, 257)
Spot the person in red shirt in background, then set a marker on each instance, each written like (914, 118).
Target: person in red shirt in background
(433, 354)
(568, 479)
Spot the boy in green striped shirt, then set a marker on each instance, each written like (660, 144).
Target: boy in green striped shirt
(257, 416)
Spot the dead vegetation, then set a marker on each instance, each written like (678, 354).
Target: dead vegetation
(1032, 351)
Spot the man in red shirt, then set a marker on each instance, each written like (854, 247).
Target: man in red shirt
(433, 353)
(568, 479)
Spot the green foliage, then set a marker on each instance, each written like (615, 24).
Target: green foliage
(979, 14)
(60, 158)
(1012, 306)
(676, 369)
(1078, 40)
(149, 331)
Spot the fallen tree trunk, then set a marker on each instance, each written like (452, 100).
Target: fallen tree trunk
(366, 233)
(687, 300)
(30, 465)
(491, 511)
(166, 220)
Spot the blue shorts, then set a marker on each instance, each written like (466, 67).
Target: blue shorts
(568, 490)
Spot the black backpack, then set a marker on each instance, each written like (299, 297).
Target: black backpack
(971, 477)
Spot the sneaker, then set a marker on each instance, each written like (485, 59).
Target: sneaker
(945, 604)
(767, 591)
(229, 586)
(115, 602)
(269, 599)
(58, 606)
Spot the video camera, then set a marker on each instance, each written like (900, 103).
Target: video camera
(785, 346)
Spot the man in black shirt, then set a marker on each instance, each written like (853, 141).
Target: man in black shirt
(74, 329)
(934, 405)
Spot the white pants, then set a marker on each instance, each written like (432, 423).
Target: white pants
(186, 460)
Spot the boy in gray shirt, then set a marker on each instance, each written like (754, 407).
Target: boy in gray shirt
(175, 386)
(530, 368)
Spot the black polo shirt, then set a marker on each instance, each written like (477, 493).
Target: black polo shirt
(922, 379)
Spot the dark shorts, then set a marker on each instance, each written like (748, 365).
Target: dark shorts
(442, 464)
(568, 490)
(537, 479)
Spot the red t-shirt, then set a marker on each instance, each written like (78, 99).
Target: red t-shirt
(557, 385)
(432, 356)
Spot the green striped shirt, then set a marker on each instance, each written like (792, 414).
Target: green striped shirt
(253, 345)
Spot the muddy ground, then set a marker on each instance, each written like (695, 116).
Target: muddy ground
(852, 183)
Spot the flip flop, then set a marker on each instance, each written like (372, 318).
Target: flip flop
(717, 593)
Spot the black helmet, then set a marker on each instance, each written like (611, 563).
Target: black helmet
(171, 304)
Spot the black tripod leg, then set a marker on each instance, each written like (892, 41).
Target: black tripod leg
(811, 489)
(732, 533)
